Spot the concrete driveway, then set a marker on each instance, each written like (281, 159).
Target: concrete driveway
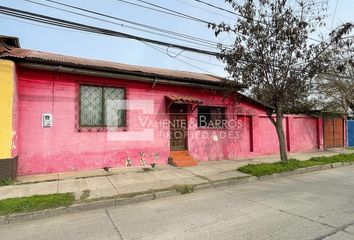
(317, 205)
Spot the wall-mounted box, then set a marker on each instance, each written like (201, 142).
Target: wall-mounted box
(47, 120)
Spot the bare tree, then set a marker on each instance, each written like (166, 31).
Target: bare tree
(336, 86)
(272, 53)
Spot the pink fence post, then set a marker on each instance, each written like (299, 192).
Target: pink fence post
(320, 132)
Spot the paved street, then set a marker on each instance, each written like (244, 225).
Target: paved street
(318, 205)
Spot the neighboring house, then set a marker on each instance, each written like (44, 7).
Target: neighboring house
(60, 113)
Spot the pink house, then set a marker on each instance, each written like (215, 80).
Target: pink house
(64, 113)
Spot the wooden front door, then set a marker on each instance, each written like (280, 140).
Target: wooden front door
(333, 132)
(178, 127)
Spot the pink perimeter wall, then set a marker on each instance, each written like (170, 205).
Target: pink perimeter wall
(63, 147)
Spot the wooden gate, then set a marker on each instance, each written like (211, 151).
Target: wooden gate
(333, 132)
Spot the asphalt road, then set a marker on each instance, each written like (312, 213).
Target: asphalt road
(318, 205)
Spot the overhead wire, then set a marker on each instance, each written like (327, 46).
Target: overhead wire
(165, 10)
(83, 27)
(203, 9)
(156, 7)
(176, 12)
(334, 14)
(180, 60)
(174, 35)
(92, 29)
(239, 15)
(214, 6)
(68, 30)
(132, 22)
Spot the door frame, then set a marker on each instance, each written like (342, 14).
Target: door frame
(185, 106)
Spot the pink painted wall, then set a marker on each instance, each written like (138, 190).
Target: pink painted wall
(303, 133)
(63, 148)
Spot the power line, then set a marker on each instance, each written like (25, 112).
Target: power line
(134, 23)
(204, 9)
(87, 28)
(119, 24)
(334, 14)
(168, 52)
(11, 18)
(348, 37)
(144, 25)
(216, 7)
(189, 64)
(68, 30)
(175, 12)
(228, 11)
(169, 11)
(189, 17)
(175, 35)
(239, 15)
(185, 16)
(201, 61)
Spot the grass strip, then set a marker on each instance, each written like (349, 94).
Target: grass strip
(35, 203)
(292, 164)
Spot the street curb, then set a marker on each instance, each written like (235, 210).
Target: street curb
(116, 201)
(334, 165)
(164, 194)
(78, 207)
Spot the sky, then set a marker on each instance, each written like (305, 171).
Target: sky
(87, 45)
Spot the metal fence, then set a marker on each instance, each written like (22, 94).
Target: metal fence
(350, 133)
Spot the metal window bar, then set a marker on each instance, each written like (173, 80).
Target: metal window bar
(102, 106)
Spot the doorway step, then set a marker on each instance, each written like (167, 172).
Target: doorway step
(182, 159)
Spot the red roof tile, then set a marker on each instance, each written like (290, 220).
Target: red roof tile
(183, 99)
(52, 58)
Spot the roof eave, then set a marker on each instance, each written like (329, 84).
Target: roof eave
(121, 74)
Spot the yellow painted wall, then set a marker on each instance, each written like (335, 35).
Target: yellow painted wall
(6, 107)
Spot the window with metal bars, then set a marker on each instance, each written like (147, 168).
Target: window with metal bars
(211, 117)
(102, 106)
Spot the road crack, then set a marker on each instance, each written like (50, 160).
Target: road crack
(293, 214)
(109, 180)
(335, 229)
(114, 225)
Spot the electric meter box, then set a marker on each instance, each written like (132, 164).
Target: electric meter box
(47, 120)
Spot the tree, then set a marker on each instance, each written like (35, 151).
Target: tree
(272, 53)
(336, 87)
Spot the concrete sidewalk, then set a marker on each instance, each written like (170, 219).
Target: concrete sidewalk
(100, 184)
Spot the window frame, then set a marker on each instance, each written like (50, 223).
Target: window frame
(102, 127)
(211, 128)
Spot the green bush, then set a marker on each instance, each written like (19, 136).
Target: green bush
(6, 181)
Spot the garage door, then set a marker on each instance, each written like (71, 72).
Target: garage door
(333, 132)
